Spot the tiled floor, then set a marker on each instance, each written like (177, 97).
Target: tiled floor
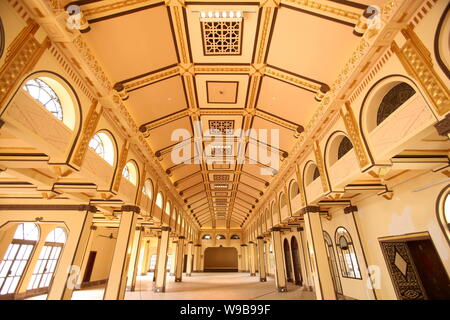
(205, 286)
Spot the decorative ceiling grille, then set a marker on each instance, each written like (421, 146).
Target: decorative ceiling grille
(222, 37)
(221, 127)
(221, 150)
(220, 186)
(221, 177)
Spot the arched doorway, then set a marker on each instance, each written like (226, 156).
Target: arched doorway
(221, 259)
(287, 260)
(333, 264)
(296, 260)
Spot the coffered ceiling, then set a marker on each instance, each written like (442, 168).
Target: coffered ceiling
(267, 67)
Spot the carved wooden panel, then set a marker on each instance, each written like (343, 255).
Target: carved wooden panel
(403, 273)
(407, 121)
(343, 169)
(38, 126)
(99, 168)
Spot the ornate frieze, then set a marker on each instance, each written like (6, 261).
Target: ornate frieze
(123, 156)
(417, 61)
(321, 166)
(353, 131)
(90, 124)
(21, 55)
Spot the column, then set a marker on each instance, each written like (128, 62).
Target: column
(280, 275)
(173, 247)
(146, 258)
(197, 251)
(190, 246)
(65, 280)
(252, 259)
(179, 259)
(161, 264)
(155, 272)
(244, 264)
(134, 258)
(269, 267)
(115, 287)
(303, 260)
(323, 281)
(262, 260)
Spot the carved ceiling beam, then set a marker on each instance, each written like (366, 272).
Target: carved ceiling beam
(326, 9)
(297, 128)
(266, 183)
(126, 86)
(96, 11)
(147, 127)
(314, 86)
(186, 177)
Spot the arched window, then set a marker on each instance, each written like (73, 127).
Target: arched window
(393, 99)
(332, 262)
(48, 259)
(316, 173)
(102, 144)
(443, 211)
(346, 253)
(344, 147)
(159, 200)
(16, 257)
(130, 172)
(282, 200)
(220, 237)
(147, 189)
(45, 95)
(294, 190)
(235, 237)
(167, 210)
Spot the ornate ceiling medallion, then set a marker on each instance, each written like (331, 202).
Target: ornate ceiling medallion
(222, 32)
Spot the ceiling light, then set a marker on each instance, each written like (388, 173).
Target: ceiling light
(203, 14)
(210, 14)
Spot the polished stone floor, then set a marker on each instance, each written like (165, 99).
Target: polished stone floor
(204, 286)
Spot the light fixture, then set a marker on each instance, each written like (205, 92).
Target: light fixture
(221, 14)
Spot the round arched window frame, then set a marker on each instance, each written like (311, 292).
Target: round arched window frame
(443, 211)
(206, 237)
(55, 95)
(347, 254)
(147, 188)
(159, 200)
(102, 144)
(130, 172)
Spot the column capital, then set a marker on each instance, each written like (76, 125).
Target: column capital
(197, 245)
(350, 209)
(190, 242)
(181, 237)
(443, 126)
(251, 242)
(308, 209)
(259, 237)
(130, 208)
(165, 228)
(275, 229)
(300, 229)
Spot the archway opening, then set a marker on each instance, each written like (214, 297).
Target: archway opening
(287, 260)
(296, 262)
(221, 259)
